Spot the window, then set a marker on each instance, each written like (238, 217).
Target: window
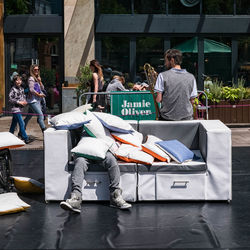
(148, 50)
(42, 7)
(218, 7)
(115, 54)
(244, 59)
(115, 6)
(150, 7)
(243, 7)
(176, 7)
(218, 61)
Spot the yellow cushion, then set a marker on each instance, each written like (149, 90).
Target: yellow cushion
(28, 185)
(11, 203)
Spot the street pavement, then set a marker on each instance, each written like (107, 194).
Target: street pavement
(240, 133)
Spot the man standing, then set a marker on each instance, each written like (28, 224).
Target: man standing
(176, 89)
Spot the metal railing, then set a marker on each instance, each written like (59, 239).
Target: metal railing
(199, 107)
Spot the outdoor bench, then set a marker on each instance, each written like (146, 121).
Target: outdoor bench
(209, 177)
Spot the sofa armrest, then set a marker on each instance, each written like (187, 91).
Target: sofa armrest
(57, 146)
(216, 148)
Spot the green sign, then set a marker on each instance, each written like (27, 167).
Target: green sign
(133, 105)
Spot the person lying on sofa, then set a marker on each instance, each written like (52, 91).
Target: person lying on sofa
(81, 166)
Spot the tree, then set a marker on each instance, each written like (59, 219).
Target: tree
(13, 7)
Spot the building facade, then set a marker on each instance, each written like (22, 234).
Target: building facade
(123, 35)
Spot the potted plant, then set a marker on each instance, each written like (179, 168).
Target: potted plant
(229, 104)
(84, 79)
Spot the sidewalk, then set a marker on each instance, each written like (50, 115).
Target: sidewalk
(33, 130)
(240, 133)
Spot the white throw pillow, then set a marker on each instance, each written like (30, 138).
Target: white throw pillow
(130, 153)
(11, 203)
(91, 148)
(114, 123)
(8, 140)
(69, 120)
(82, 108)
(28, 185)
(150, 148)
(94, 128)
(134, 139)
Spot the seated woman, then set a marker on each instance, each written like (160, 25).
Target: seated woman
(117, 84)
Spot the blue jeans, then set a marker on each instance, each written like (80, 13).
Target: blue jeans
(35, 108)
(17, 118)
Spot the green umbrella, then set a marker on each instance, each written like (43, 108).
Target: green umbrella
(210, 46)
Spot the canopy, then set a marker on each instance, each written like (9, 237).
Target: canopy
(210, 46)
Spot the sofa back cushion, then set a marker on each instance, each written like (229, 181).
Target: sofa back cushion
(186, 132)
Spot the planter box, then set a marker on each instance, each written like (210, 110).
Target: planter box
(230, 113)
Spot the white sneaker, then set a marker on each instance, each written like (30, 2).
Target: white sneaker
(72, 204)
(117, 201)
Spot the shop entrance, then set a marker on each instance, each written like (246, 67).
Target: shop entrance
(21, 52)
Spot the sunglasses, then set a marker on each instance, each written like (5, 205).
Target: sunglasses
(35, 69)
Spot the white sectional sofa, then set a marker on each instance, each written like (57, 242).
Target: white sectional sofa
(209, 177)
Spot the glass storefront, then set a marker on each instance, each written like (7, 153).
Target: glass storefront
(41, 7)
(115, 7)
(243, 7)
(244, 59)
(149, 7)
(115, 55)
(148, 50)
(176, 7)
(217, 59)
(24, 51)
(218, 7)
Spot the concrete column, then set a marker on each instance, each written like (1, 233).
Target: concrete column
(2, 82)
(78, 36)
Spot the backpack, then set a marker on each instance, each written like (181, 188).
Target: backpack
(6, 182)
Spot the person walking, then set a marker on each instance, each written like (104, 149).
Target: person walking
(81, 165)
(176, 89)
(35, 96)
(17, 99)
(96, 84)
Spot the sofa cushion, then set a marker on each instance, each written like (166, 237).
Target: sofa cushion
(114, 123)
(150, 148)
(195, 166)
(130, 153)
(69, 120)
(11, 203)
(176, 150)
(91, 148)
(134, 139)
(8, 140)
(94, 127)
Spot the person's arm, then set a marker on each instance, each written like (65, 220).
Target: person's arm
(31, 83)
(194, 92)
(95, 81)
(158, 97)
(159, 88)
(40, 82)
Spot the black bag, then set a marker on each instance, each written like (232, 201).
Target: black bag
(6, 182)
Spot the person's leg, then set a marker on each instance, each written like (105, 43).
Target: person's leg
(110, 163)
(116, 200)
(28, 116)
(74, 203)
(13, 123)
(36, 107)
(21, 127)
